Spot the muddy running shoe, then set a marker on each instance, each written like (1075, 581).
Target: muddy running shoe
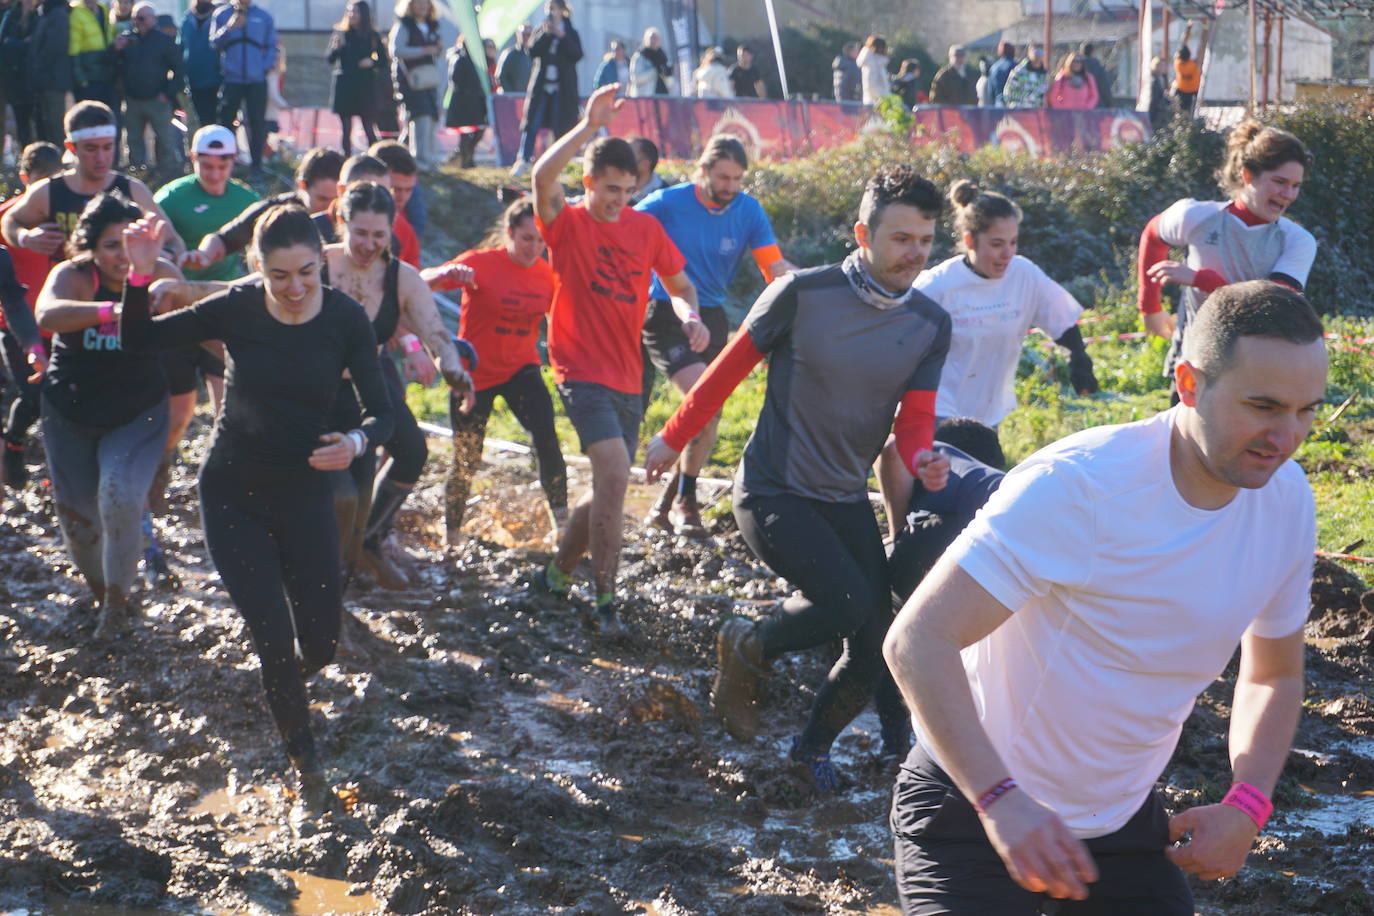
(12, 466)
(740, 666)
(607, 618)
(114, 621)
(379, 568)
(315, 800)
(552, 581)
(687, 519)
(818, 762)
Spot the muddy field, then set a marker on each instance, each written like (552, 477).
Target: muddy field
(498, 757)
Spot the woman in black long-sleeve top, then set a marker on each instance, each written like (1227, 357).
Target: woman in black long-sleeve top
(266, 502)
(360, 59)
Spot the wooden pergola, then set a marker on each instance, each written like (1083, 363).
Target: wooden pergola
(1273, 14)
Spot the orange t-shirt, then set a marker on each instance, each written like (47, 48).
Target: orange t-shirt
(601, 291)
(501, 317)
(1187, 76)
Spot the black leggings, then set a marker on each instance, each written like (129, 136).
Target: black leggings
(272, 537)
(369, 131)
(23, 411)
(407, 446)
(529, 400)
(833, 552)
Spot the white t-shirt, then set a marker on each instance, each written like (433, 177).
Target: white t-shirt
(990, 321)
(1127, 602)
(1223, 242)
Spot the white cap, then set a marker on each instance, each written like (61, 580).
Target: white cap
(216, 140)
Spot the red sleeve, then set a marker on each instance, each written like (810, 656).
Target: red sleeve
(669, 261)
(410, 242)
(708, 395)
(915, 426)
(1209, 281)
(1153, 249)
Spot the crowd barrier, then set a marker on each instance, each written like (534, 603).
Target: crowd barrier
(776, 129)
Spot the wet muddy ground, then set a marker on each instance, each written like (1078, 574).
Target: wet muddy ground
(497, 756)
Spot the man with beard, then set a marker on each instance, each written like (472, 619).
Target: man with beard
(849, 346)
(713, 223)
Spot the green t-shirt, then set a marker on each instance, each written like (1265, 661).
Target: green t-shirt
(195, 214)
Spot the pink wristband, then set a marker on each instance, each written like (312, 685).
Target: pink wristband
(107, 312)
(136, 279)
(991, 795)
(411, 344)
(1252, 801)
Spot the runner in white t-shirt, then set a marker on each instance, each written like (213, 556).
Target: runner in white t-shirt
(994, 297)
(1053, 653)
(1244, 238)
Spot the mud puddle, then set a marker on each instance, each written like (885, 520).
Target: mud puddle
(496, 756)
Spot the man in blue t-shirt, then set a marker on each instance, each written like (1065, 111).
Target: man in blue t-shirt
(713, 223)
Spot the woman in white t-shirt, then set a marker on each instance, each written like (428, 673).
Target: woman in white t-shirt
(1246, 237)
(994, 297)
(873, 61)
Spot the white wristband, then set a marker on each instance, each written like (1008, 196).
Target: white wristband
(359, 440)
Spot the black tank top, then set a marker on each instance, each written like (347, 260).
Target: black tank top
(65, 205)
(388, 316)
(93, 381)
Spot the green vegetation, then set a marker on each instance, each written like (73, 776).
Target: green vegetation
(1083, 217)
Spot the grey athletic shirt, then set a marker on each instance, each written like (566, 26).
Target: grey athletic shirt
(838, 368)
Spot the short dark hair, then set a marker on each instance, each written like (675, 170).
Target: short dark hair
(898, 184)
(1253, 308)
(609, 153)
(975, 439)
(646, 150)
(1006, 49)
(320, 162)
(398, 159)
(363, 167)
(106, 209)
(89, 113)
(40, 160)
(743, 47)
(366, 197)
(283, 226)
(1086, 49)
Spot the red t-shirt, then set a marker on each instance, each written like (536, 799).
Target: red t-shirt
(601, 290)
(501, 317)
(29, 266)
(410, 242)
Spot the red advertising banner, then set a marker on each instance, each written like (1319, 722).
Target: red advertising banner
(774, 129)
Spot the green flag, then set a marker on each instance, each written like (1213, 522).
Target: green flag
(465, 15)
(499, 18)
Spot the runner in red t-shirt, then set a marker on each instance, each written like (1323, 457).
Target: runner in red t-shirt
(24, 348)
(507, 290)
(603, 254)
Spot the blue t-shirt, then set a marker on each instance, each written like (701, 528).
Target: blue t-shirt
(712, 240)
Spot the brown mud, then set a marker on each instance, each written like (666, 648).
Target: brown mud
(495, 755)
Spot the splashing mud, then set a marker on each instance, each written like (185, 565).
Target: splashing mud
(496, 756)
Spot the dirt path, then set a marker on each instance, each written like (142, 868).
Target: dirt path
(499, 757)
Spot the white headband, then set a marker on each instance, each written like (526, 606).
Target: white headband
(99, 132)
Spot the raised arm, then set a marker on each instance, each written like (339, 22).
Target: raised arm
(171, 241)
(548, 171)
